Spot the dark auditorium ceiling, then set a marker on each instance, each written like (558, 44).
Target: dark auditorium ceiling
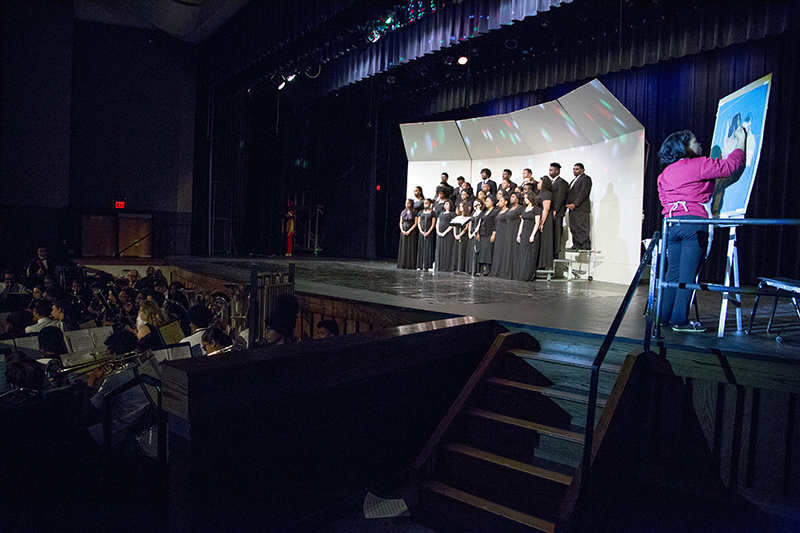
(188, 20)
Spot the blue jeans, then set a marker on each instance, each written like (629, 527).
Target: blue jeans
(686, 248)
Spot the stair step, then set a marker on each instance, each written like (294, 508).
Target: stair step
(560, 445)
(564, 372)
(529, 488)
(519, 466)
(548, 405)
(564, 359)
(487, 506)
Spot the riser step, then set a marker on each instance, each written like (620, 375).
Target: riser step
(467, 512)
(557, 372)
(553, 407)
(554, 444)
(517, 485)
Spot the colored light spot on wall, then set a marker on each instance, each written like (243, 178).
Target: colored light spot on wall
(485, 135)
(620, 121)
(573, 130)
(518, 137)
(513, 140)
(428, 142)
(588, 116)
(498, 150)
(605, 103)
(466, 141)
(434, 143)
(605, 133)
(546, 136)
(606, 114)
(489, 133)
(415, 145)
(502, 134)
(508, 123)
(412, 151)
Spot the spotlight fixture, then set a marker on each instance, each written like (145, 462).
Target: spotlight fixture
(282, 84)
(463, 60)
(291, 77)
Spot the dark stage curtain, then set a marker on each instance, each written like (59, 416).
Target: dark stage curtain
(670, 75)
(450, 25)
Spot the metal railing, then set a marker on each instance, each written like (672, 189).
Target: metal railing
(655, 293)
(662, 284)
(609, 338)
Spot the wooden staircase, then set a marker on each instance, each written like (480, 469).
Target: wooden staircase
(505, 457)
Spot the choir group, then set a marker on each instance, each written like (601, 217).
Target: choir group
(508, 231)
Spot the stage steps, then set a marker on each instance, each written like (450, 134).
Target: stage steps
(505, 456)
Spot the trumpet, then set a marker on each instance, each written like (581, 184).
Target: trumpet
(59, 375)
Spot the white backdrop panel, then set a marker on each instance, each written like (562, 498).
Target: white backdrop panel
(598, 114)
(547, 128)
(616, 210)
(494, 136)
(433, 141)
(427, 174)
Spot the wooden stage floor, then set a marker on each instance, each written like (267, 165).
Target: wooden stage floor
(580, 306)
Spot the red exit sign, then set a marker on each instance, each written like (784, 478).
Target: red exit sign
(119, 205)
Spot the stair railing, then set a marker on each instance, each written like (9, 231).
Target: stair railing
(651, 253)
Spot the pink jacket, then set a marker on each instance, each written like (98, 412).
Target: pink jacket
(687, 184)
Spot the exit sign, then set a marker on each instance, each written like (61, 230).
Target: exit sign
(119, 205)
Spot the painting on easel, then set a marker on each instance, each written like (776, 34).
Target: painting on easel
(746, 107)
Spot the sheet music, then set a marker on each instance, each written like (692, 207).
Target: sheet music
(99, 335)
(172, 332)
(79, 341)
(29, 346)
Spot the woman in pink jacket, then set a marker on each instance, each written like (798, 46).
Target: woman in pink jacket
(684, 187)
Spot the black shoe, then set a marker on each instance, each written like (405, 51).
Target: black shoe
(572, 249)
(691, 327)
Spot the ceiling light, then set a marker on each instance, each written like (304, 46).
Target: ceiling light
(463, 60)
(291, 77)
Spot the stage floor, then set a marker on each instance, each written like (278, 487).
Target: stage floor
(580, 306)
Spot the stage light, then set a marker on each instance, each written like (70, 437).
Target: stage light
(282, 85)
(291, 77)
(463, 60)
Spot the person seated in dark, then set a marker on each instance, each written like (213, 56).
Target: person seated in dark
(24, 373)
(36, 294)
(281, 324)
(65, 315)
(39, 267)
(16, 322)
(214, 340)
(146, 282)
(200, 318)
(51, 343)
(10, 287)
(54, 294)
(327, 328)
(150, 319)
(41, 316)
(129, 409)
(177, 306)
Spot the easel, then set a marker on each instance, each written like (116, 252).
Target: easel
(731, 274)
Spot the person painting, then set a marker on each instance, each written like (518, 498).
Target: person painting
(683, 188)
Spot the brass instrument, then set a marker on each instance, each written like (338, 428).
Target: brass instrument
(60, 375)
(228, 349)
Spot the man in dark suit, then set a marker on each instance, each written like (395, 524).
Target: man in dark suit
(580, 209)
(486, 177)
(559, 188)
